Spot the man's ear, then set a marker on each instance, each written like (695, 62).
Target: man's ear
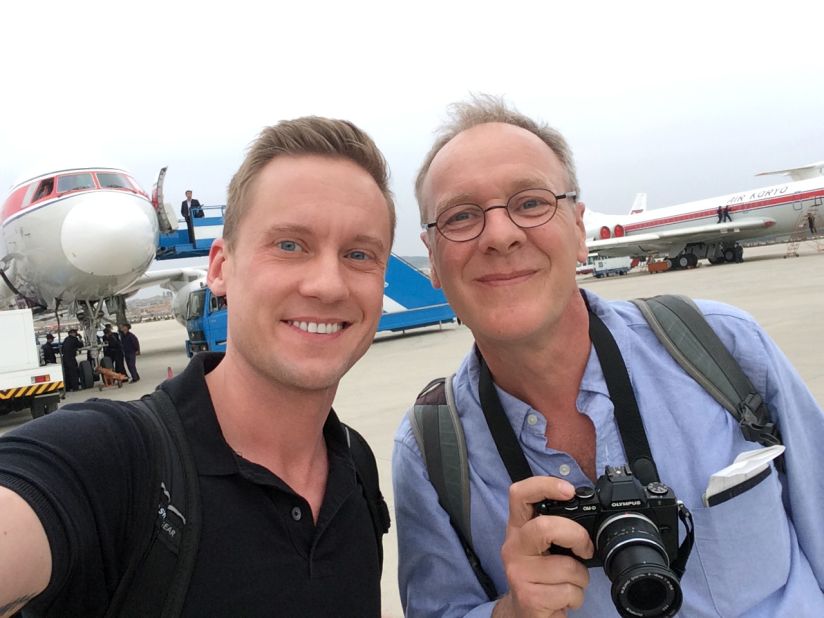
(219, 265)
(581, 232)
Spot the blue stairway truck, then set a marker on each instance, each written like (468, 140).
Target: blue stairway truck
(414, 302)
(422, 305)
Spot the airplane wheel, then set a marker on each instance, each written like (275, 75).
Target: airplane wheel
(692, 260)
(716, 260)
(107, 363)
(86, 374)
(739, 253)
(729, 255)
(668, 262)
(683, 261)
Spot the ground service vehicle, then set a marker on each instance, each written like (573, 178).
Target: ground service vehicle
(606, 267)
(415, 303)
(24, 383)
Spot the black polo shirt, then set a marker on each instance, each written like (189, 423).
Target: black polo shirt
(86, 468)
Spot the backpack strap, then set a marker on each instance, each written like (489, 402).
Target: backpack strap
(367, 472)
(685, 333)
(157, 577)
(440, 437)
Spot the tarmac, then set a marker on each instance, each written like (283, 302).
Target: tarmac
(786, 296)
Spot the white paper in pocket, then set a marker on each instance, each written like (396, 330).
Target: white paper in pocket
(748, 469)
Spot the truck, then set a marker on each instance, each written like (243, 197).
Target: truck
(24, 382)
(415, 304)
(607, 267)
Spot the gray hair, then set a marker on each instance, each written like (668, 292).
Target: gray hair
(486, 108)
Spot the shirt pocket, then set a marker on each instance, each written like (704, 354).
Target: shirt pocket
(743, 545)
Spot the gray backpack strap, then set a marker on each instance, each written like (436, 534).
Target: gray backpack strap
(440, 437)
(685, 333)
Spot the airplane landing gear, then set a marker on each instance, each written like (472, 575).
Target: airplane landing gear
(685, 260)
(734, 254)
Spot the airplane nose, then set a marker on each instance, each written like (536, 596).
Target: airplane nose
(108, 233)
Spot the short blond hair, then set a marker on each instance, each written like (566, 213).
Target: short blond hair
(483, 109)
(309, 135)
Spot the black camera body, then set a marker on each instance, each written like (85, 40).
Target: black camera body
(634, 529)
(618, 491)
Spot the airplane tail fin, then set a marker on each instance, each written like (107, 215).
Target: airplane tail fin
(639, 205)
(805, 172)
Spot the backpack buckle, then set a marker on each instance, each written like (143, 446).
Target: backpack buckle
(751, 423)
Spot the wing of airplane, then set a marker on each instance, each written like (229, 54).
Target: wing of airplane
(171, 279)
(671, 242)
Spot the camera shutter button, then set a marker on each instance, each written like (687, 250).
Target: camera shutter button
(584, 493)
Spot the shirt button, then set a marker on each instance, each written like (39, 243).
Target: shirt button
(296, 513)
(531, 419)
(564, 469)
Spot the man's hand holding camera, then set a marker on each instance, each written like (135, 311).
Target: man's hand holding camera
(541, 584)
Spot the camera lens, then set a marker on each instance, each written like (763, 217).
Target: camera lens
(636, 562)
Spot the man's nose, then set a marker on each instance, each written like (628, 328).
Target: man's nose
(325, 279)
(500, 232)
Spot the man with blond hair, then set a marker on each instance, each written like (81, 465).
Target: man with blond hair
(541, 421)
(287, 525)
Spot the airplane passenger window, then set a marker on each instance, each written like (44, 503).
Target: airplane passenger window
(110, 180)
(74, 182)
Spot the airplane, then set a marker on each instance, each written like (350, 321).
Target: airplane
(686, 233)
(80, 239)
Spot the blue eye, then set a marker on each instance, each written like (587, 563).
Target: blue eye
(288, 245)
(358, 255)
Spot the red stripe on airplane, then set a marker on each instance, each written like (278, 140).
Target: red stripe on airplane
(14, 202)
(713, 212)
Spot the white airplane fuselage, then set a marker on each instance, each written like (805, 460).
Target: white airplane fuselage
(765, 214)
(90, 237)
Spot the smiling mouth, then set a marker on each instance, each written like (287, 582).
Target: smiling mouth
(319, 328)
(504, 278)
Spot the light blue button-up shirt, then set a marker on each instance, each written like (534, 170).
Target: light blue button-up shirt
(760, 554)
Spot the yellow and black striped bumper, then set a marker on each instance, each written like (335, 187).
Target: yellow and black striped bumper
(28, 391)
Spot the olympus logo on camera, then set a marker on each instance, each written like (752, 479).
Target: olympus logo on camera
(625, 503)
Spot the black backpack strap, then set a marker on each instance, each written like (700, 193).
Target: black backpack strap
(367, 473)
(439, 434)
(685, 333)
(157, 577)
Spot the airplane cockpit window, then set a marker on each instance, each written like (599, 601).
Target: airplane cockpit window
(74, 182)
(45, 189)
(111, 180)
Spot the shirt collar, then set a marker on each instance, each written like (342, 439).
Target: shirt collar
(593, 379)
(213, 456)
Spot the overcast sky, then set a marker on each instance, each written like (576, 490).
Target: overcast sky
(680, 100)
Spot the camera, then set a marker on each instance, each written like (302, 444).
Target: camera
(635, 532)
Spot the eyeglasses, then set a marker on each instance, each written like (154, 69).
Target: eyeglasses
(526, 209)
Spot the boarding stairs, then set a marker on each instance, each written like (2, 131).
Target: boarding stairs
(803, 232)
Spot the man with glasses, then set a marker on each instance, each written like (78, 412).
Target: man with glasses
(498, 198)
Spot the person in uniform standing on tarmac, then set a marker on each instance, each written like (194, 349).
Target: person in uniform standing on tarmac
(131, 349)
(49, 356)
(68, 352)
(114, 349)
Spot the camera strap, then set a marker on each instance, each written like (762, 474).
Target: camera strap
(620, 390)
